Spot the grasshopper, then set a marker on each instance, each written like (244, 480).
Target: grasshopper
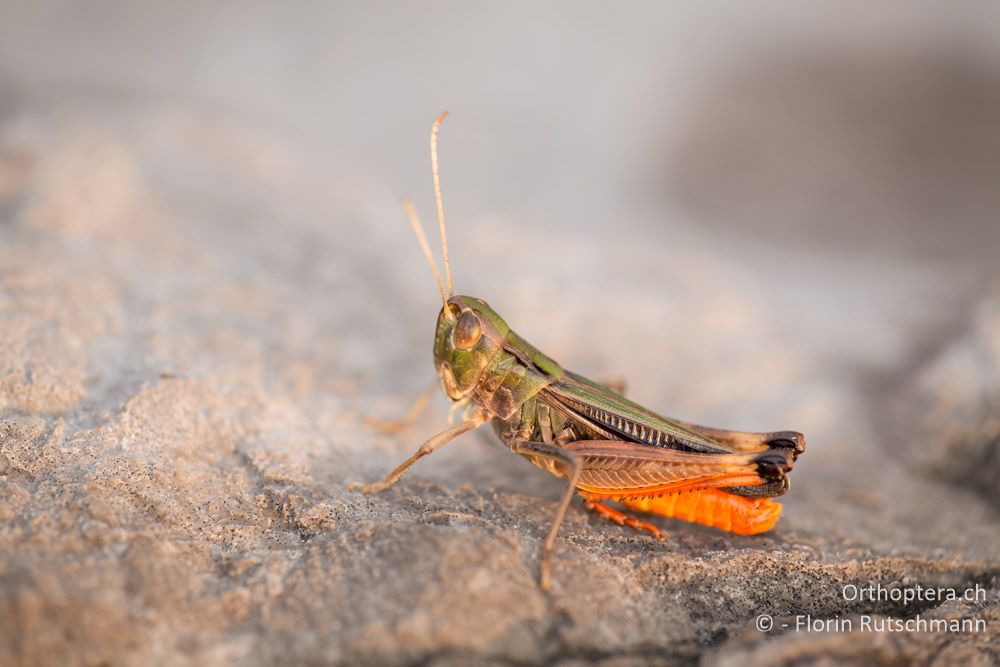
(607, 447)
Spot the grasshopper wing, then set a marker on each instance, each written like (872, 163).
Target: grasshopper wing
(609, 415)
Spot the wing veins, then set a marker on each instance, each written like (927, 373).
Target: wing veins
(611, 414)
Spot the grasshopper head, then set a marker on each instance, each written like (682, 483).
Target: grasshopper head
(468, 335)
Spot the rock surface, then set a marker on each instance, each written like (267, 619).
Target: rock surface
(948, 412)
(193, 326)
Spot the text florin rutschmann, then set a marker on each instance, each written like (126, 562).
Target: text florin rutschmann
(866, 623)
(875, 623)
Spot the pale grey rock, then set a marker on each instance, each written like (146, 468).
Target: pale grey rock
(948, 410)
(194, 326)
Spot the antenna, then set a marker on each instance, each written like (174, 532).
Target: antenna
(418, 230)
(438, 200)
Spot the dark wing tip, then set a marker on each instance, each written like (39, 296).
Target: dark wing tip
(789, 440)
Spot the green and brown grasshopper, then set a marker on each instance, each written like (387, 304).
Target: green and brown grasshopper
(606, 446)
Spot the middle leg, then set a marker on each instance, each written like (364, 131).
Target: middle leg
(566, 464)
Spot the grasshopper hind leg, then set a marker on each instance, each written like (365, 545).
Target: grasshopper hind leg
(616, 384)
(619, 517)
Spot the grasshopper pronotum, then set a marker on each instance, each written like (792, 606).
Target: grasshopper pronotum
(606, 446)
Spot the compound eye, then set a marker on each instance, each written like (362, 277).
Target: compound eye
(468, 331)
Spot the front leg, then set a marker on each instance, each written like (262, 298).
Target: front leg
(561, 462)
(390, 426)
(442, 438)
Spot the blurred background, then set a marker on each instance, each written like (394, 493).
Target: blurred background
(867, 133)
(866, 137)
(762, 215)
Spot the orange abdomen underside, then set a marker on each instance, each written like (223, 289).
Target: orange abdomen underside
(713, 507)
